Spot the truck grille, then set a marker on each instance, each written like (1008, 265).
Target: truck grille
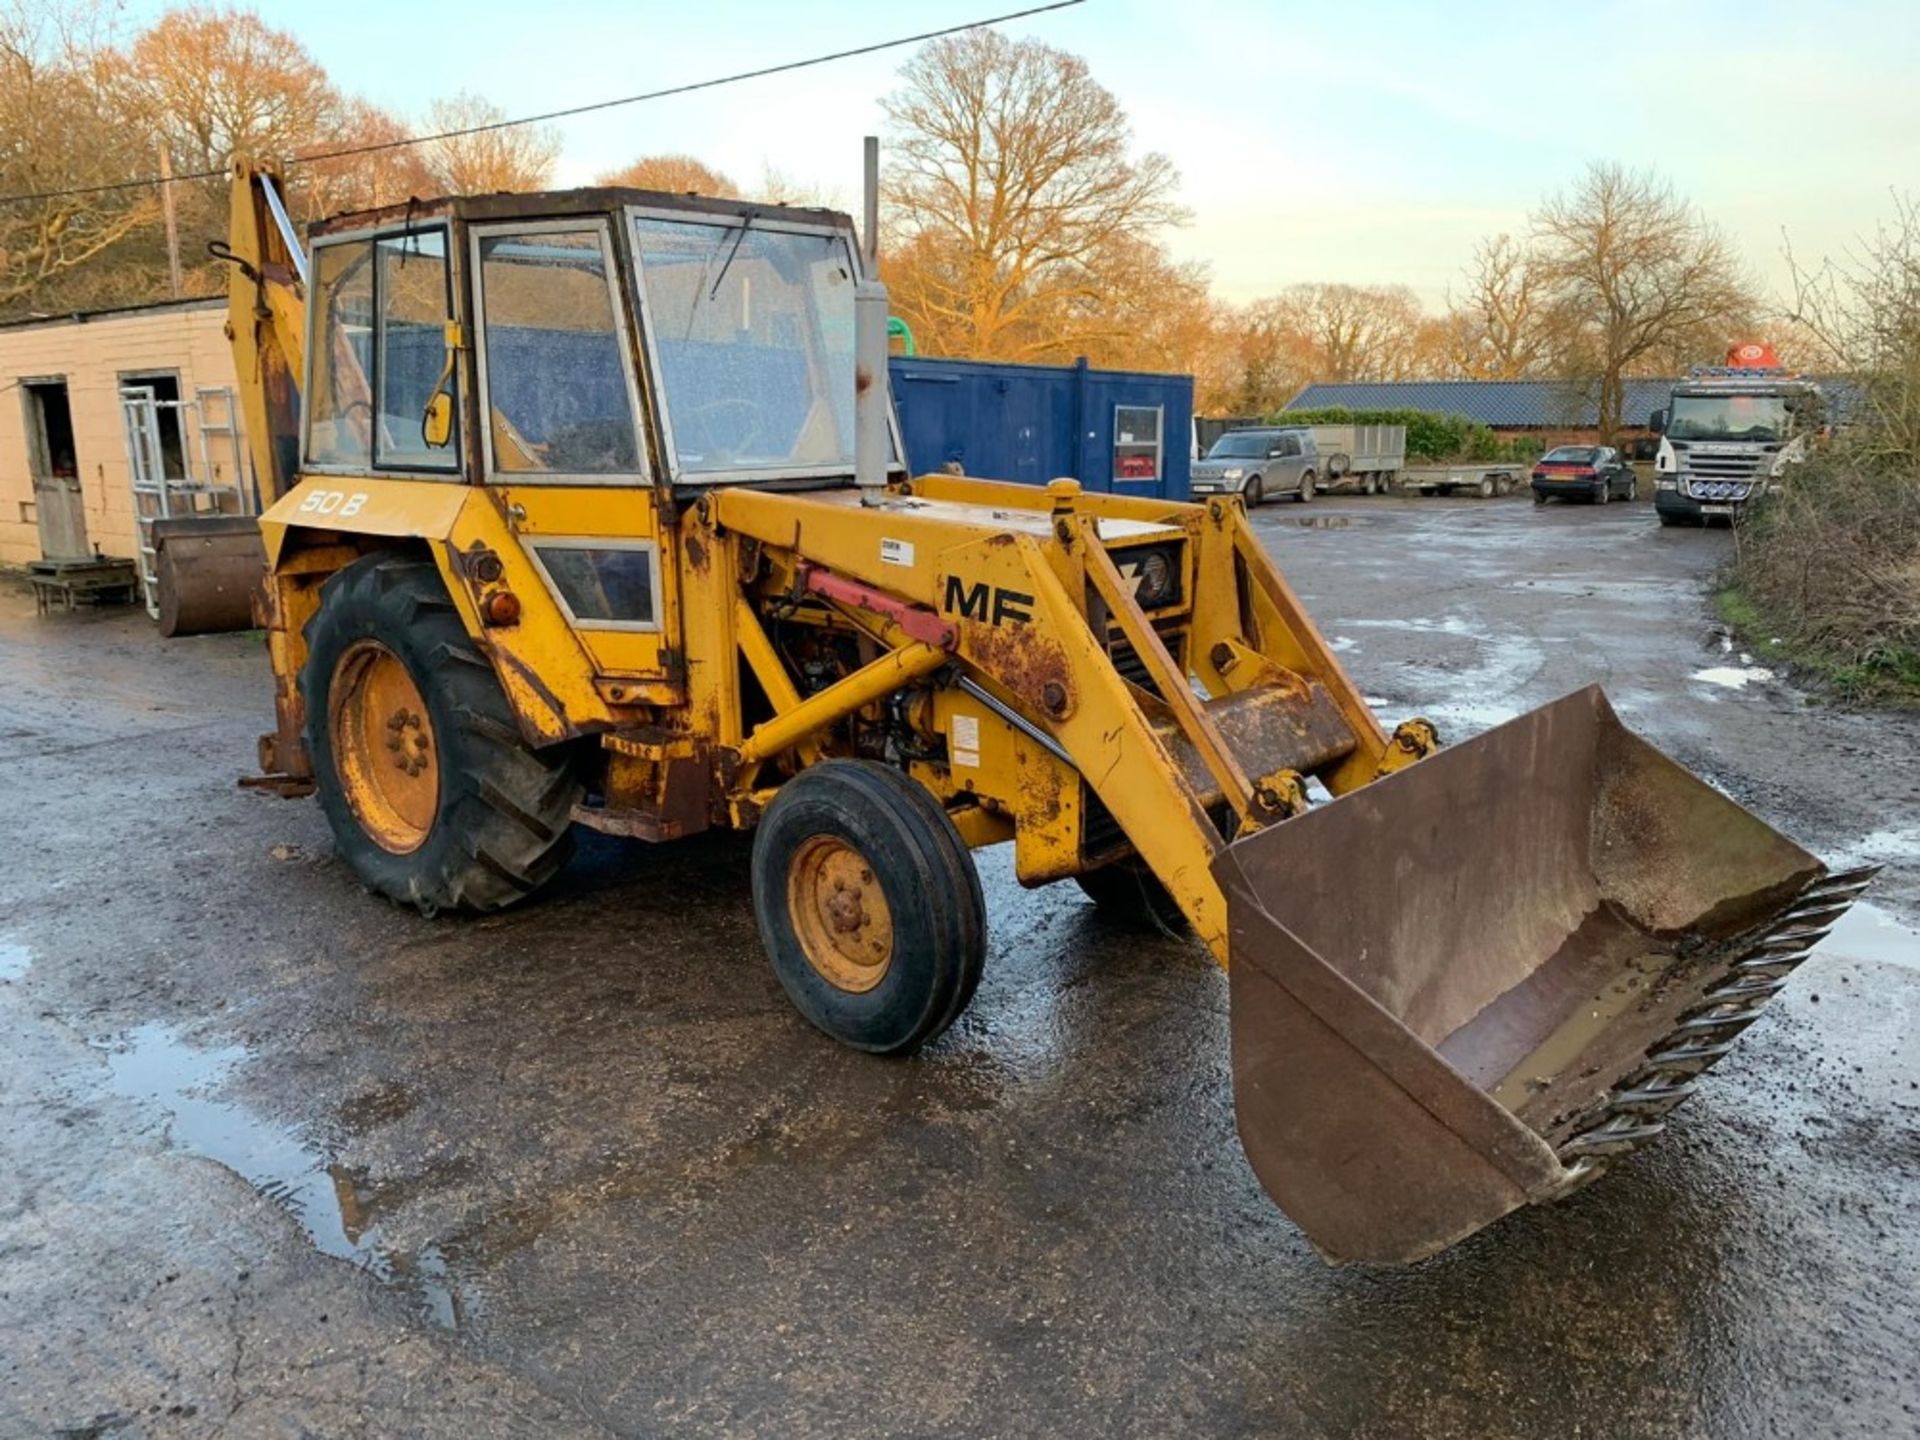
(1723, 467)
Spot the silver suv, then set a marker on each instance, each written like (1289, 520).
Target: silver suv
(1259, 464)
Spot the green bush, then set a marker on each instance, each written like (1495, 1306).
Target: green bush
(1429, 436)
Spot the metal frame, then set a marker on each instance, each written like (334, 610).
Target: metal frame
(601, 224)
(534, 543)
(1159, 445)
(656, 375)
(371, 236)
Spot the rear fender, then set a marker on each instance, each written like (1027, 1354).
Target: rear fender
(327, 521)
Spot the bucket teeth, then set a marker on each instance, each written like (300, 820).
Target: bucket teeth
(1706, 1032)
(1655, 1097)
(1690, 1058)
(1613, 1137)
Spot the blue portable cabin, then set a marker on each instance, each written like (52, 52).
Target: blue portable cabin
(1120, 431)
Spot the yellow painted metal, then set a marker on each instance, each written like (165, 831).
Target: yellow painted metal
(384, 749)
(893, 671)
(266, 324)
(840, 915)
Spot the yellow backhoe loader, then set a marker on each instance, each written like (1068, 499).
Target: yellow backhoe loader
(596, 515)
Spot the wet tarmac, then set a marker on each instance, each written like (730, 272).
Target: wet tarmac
(280, 1159)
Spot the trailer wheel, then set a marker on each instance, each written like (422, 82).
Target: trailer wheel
(1130, 895)
(1486, 487)
(434, 798)
(868, 905)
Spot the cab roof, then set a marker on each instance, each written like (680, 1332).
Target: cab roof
(549, 204)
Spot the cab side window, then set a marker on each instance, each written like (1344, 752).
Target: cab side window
(380, 311)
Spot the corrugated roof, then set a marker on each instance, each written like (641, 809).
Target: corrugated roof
(1503, 404)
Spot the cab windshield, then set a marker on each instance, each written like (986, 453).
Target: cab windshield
(752, 331)
(1242, 445)
(1727, 417)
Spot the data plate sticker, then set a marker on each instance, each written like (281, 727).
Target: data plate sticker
(965, 733)
(896, 552)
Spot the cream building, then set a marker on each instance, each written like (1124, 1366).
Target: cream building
(86, 400)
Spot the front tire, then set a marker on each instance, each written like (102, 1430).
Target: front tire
(1255, 493)
(868, 905)
(435, 799)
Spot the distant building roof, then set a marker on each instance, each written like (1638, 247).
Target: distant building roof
(1502, 404)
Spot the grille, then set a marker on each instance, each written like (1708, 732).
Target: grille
(1127, 660)
(1724, 467)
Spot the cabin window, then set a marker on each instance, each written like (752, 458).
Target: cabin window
(379, 308)
(559, 392)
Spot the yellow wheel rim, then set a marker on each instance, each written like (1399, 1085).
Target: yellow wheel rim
(383, 747)
(839, 914)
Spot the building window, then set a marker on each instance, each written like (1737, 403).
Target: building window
(1136, 442)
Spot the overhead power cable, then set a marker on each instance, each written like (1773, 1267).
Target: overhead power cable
(687, 89)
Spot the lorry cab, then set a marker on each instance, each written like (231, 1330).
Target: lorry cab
(1727, 435)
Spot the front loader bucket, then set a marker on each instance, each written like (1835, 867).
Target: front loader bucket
(1465, 987)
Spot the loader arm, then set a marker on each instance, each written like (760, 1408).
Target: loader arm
(1032, 608)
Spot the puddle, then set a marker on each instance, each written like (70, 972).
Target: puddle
(1733, 677)
(1324, 522)
(1867, 932)
(1341, 643)
(15, 960)
(338, 1208)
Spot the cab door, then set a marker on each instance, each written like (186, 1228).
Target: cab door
(563, 448)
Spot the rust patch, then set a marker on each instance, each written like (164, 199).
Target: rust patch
(1020, 659)
(525, 673)
(697, 553)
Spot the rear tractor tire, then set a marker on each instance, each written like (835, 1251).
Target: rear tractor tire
(1130, 895)
(435, 799)
(869, 905)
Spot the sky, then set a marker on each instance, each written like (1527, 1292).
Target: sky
(1367, 143)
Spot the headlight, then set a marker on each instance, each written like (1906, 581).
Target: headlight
(1156, 578)
(1233, 474)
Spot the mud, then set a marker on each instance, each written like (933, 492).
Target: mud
(280, 1159)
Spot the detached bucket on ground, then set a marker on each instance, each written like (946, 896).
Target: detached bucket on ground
(1465, 987)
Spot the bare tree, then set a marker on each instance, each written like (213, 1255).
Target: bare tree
(1639, 274)
(383, 176)
(60, 129)
(1015, 201)
(1503, 327)
(1355, 332)
(518, 157)
(1862, 311)
(677, 174)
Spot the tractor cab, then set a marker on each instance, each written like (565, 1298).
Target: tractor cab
(592, 338)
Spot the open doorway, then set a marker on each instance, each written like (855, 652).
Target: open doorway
(58, 505)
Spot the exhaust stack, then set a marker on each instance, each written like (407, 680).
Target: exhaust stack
(872, 444)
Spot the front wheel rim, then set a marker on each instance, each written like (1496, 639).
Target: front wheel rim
(384, 749)
(840, 914)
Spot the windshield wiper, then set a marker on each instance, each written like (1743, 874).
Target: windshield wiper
(726, 264)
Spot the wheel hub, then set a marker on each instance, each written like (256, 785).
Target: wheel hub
(383, 747)
(840, 914)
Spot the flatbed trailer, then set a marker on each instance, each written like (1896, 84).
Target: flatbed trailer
(1485, 481)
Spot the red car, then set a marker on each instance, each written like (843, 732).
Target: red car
(1584, 472)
